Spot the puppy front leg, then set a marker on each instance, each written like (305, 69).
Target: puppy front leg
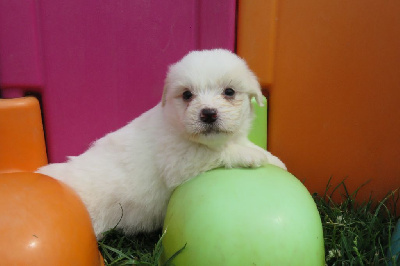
(247, 154)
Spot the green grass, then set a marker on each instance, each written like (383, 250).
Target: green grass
(354, 233)
(119, 249)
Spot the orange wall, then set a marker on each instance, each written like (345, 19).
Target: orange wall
(332, 69)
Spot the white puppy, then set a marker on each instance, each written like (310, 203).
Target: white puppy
(202, 123)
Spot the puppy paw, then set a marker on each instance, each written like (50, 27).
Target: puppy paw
(249, 156)
(275, 161)
(243, 156)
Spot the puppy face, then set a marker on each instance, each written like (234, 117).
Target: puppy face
(207, 96)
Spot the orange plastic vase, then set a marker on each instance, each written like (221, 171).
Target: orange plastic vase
(22, 144)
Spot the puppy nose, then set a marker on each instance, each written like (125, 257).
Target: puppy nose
(208, 115)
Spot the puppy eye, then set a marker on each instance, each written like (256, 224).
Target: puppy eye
(187, 95)
(229, 92)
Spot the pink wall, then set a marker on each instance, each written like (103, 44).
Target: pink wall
(98, 63)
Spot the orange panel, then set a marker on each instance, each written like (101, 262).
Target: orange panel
(256, 41)
(333, 104)
(22, 145)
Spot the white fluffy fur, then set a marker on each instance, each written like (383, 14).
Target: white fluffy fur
(131, 173)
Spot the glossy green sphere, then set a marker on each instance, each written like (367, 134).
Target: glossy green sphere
(262, 216)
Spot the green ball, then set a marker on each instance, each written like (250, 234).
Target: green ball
(262, 216)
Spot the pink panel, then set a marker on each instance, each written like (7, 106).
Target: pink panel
(105, 61)
(98, 63)
(217, 24)
(20, 53)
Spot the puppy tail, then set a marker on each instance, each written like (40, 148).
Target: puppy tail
(164, 97)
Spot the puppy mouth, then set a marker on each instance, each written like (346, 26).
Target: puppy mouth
(212, 129)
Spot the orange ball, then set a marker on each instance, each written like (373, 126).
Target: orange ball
(44, 222)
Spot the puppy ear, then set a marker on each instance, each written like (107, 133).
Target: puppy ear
(255, 89)
(258, 96)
